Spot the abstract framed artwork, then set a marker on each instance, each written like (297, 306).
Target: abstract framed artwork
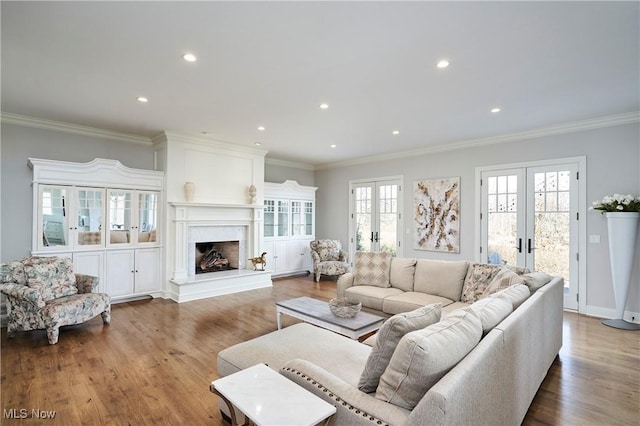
(437, 214)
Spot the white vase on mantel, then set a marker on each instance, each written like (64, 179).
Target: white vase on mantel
(622, 228)
(189, 190)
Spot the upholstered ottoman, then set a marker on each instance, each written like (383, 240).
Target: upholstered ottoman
(339, 355)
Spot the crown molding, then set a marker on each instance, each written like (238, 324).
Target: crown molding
(285, 163)
(39, 123)
(575, 126)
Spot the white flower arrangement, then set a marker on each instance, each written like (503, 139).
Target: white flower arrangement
(617, 203)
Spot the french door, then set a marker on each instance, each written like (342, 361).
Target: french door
(529, 218)
(375, 216)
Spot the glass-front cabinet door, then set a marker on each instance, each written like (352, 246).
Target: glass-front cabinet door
(89, 213)
(120, 216)
(147, 217)
(54, 225)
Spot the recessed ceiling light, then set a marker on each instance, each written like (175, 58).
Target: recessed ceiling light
(396, 132)
(261, 128)
(257, 143)
(333, 145)
(189, 57)
(324, 106)
(495, 110)
(142, 99)
(443, 63)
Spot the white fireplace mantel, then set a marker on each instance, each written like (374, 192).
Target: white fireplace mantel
(192, 220)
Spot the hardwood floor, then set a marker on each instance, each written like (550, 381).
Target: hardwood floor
(154, 363)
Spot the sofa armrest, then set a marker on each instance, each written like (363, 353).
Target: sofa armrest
(343, 256)
(353, 406)
(344, 282)
(23, 293)
(86, 283)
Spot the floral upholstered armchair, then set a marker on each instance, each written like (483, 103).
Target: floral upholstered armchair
(328, 258)
(44, 293)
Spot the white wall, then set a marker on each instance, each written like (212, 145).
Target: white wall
(278, 172)
(21, 142)
(612, 166)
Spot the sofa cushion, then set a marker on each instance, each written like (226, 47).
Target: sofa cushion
(446, 310)
(491, 311)
(387, 339)
(402, 273)
(371, 296)
(477, 280)
(440, 277)
(535, 280)
(371, 268)
(423, 357)
(53, 277)
(515, 294)
(503, 279)
(410, 300)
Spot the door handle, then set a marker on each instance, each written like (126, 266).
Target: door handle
(371, 236)
(530, 248)
(376, 236)
(519, 245)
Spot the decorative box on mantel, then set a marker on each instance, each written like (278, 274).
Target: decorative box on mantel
(220, 227)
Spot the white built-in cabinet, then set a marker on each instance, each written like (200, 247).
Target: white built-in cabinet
(289, 226)
(105, 217)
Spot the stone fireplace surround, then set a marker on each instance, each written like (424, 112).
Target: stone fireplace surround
(205, 222)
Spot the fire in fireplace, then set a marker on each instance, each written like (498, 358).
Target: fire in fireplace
(216, 256)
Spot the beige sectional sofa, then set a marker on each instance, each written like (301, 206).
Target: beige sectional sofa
(476, 366)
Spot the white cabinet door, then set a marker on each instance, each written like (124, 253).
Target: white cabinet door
(120, 272)
(147, 267)
(276, 256)
(90, 263)
(297, 255)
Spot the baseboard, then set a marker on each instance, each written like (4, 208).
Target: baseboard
(606, 313)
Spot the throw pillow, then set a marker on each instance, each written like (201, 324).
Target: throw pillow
(491, 311)
(477, 280)
(535, 280)
(52, 277)
(440, 277)
(515, 294)
(503, 279)
(371, 268)
(402, 273)
(423, 357)
(387, 339)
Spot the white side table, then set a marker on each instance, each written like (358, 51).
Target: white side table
(268, 398)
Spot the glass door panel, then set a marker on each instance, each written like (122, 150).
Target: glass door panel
(550, 249)
(308, 218)
(90, 209)
(283, 219)
(119, 217)
(363, 217)
(388, 214)
(504, 244)
(297, 224)
(269, 218)
(148, 217)
(55, 221)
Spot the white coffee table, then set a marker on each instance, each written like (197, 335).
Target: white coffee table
(268, 398)
(317, 312)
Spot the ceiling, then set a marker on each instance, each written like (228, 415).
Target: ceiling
(272, 64)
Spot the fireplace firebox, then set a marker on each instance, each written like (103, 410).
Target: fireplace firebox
(216, 256)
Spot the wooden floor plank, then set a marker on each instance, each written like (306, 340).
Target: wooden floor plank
(154, 363)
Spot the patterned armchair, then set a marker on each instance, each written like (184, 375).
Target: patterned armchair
(328, 258)
(44, 293)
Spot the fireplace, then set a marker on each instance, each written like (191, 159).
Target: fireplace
(216, 256)
(233, 231)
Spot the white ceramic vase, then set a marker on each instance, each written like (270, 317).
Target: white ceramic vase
(622, 228)
(189, 190)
